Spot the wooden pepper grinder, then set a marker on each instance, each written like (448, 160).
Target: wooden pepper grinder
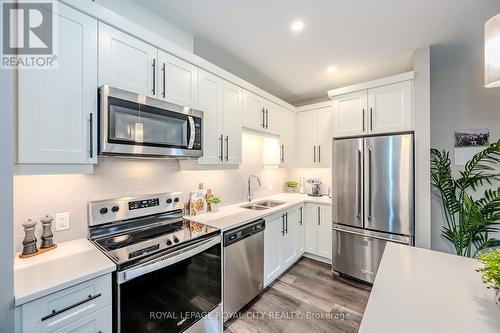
(47, 235)
(29, 242)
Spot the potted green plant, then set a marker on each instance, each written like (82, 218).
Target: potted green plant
(470, 218)
(214, 202)
(292, 185)
(491, 271)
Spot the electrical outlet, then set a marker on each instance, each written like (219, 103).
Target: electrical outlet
(62, 221)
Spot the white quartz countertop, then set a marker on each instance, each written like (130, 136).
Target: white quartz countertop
(70, 263)
(232, 216)
(418, 290)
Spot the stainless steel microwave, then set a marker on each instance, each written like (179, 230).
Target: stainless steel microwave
(134, 125)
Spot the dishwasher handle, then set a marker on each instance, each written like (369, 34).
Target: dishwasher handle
(243, 232)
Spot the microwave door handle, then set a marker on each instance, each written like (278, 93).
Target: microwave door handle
(192, 132)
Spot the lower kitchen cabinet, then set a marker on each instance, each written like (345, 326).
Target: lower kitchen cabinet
(84, 307)
(284, 239)
(319, 230)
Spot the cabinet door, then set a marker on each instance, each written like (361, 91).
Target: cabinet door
(300, 232)
(58, 107)
(289, 247)
(273, 235)
(312, 228)
(232, 96)
(177, 80)
(325, 231)
(99, 321)
(350, 114)
(324, 132)
(126, 62)
(288, 137)
(390, 108)
(254, 112)
(307, 137)
(210, 102)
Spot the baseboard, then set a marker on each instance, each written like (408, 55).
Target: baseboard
(317, 258)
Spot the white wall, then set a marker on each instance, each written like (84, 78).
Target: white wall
(7, 104)
(149, 20)
(459, 100)
(35, 196)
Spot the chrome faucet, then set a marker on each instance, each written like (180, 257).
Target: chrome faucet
(250, 195)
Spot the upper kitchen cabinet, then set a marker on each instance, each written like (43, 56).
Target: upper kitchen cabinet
(390, 107)
(287, 130)
(177, 80)
(57, 107)
(232, 101)
(315, 138)
(221, 103)
(259, 114)
(380, 106)
(126, 62)
(349, 114)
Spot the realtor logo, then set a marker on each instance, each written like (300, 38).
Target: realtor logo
(28, 34)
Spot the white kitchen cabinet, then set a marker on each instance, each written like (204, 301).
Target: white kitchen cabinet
(177, 80)
(210, 89)
(127, 63)
(287, 131)
(319, 230)
(350, 114)
(289, 242)
(57, 108)
(254, 112)
(390, 107)
(232, 101)
(315, 138)
(383, 109)
(300, 233)
(273, 234)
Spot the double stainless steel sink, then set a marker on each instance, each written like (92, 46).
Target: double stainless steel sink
(263, 205)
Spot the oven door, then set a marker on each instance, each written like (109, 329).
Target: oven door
(135, 125)
(176, 292)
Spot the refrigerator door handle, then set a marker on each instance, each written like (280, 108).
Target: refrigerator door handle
(370, 217)
(358, 187)
(370, 236)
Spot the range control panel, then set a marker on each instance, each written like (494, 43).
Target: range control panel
(115, 210)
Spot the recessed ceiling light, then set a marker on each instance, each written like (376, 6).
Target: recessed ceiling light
(297, 26)
(331, 69)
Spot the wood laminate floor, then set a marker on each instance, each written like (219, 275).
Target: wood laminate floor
(307, 298)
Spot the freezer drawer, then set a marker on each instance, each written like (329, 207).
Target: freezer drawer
(356, 254)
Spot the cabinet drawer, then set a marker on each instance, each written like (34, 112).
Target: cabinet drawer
(99, 321)
(65, 307)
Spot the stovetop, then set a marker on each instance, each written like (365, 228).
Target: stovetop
(133, 229)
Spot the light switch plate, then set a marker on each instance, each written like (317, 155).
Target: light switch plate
(62, 221)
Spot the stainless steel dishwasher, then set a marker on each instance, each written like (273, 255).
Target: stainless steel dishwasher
(243, 265)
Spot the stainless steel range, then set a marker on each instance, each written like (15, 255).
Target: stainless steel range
(168, 276)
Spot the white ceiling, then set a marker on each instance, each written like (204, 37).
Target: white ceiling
(364, 39)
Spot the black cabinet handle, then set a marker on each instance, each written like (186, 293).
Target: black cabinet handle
(300, 221)
(55, 313)
(91, 135)
(319, 154)
(154, 77)
(164, 80)
(286, 223)
(267, 118)
(221, 148)
(363, 120)
(371, 119)
(319, 215)
(314, 154)
(227, 148)
(263, 118)
(283, 224)
(282, 153)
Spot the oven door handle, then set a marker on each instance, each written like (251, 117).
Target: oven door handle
(192, 132)
(167, 260)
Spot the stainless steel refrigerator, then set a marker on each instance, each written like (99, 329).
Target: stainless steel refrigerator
(373, 200)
